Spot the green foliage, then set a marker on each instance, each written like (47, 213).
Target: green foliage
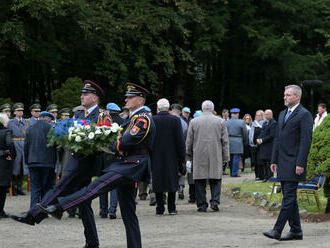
(319, 155)
(5, 100)
(68, 96)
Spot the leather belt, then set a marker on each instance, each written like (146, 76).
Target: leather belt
(17, 139)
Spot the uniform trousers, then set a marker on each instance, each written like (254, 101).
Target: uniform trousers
(126, 196)
(234, 164)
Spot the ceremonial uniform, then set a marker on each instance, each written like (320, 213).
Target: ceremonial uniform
(34, 108)
(6, 108)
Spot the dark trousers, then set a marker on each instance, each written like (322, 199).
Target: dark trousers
(3, 194)
(104, 200)
(69, 183)
(160, 202)
(267, 173)
(289, 211)
(40, 184)
(126, 197)
(200, 187)
(192, 195)
(234, 164)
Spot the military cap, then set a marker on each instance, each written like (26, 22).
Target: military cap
(113, 107)
(52, 108)
(91, 87)
(45, 113)
(147, 108)
(136, 90)
(65, 111)
(186, 109)
(198, 113)
(235, 110)
(5, 107)
(18, 106)
(35, 107)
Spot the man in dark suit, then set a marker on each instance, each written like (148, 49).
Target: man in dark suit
(77, 174)
(130, 165)
(39, 158)
(265, 142)
(289, 159)
(167, 157)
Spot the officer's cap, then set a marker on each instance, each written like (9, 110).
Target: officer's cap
(18, 106)
(136, 90)
(52, 108)
(186, 109)
(113, 107)
(35, 107)
(235, 110)
(91, 87)
(5, 107)
(45, 113)
(198, 113)
(65, 111)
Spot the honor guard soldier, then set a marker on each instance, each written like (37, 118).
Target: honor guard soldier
(131, 164)
(77, 173)
(64, 113)
(53, 109)
(35, 113)
(18, 125)
(6, 108)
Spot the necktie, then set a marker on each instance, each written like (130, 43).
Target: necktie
(86, 113)
(320, 116)
(287, 115)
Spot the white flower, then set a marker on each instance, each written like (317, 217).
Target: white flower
(107, 132)
(115, 127)
(98, 131)
(69, 137)
(91, 135)
(71, 129)
(78, 139)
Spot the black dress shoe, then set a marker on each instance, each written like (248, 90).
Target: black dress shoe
(173, 212)
(292, 236)
(215, 208)
(25, 218)
(52, 210)
(203, 210)
(112, 216)
(90, 246)
(20, 192)
(3, 215)
(273, 234)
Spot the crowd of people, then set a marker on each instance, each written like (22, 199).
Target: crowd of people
(173, 145)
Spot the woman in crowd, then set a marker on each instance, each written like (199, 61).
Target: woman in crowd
(7, 155)
(248, 122)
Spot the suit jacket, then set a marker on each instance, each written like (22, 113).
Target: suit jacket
(267, 135)
(168, 152)
(35, 147)
(292, 143)
(238, 135)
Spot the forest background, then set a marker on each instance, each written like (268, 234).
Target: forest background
(237, 53)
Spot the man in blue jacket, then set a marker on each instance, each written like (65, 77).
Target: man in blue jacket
(289, 159)
(39, 158)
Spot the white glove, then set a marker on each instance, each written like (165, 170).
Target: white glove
(188, 166)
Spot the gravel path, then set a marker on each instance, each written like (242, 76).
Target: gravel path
(236, 225)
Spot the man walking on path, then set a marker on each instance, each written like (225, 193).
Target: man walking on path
(289, 159)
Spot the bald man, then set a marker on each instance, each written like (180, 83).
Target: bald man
(265, 142)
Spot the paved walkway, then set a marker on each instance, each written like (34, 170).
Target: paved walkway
(236, 225)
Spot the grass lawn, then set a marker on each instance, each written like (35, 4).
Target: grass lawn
(266, 188)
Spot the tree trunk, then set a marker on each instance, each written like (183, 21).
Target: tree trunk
(327, 209)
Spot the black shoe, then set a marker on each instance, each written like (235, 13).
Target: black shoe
(159, 213)
(90, 246)
(143, 197)
(181, 195)
(71, 215)
(20, 192)
(273, 234)
(52, 210)
(112, 216)
(103, 216)
(174, 212)
(203, 210)
(152, 202)
(292, 236)
(25, 218)
(215, 208)
(191, 201)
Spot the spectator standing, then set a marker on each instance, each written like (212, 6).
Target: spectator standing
(321, 114)
(254, 133)
(7, 155)
(167, 157)
(207, 147)
(225, 114)
(265, 142)
(39, 158)
(186, 115)
(238, 136)
(246, 153)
